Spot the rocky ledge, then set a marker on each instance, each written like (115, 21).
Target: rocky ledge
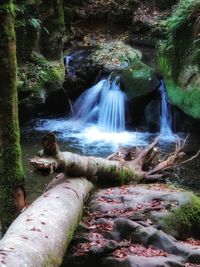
(150, 225)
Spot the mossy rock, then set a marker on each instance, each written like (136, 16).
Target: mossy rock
(189, 76)
(184, 221)
(187, 99)
(40, 73)
(138, 80)
(36, 79)
(114, 56)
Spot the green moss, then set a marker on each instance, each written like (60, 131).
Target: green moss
(163, 63)
(125, 176)
(8, 7)
(38, 74)
(138, 80)
(180, 45)
(61, 18)
(185, 221)
(186, 99)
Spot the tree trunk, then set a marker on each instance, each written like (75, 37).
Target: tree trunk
(11, 173)
(143, 168)
(40, 235)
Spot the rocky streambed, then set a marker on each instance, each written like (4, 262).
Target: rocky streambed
(148, 225)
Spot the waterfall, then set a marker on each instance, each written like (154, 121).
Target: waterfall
(103, 104)
(73, 61)
(112, 108)
(86, 106)
(165, 118)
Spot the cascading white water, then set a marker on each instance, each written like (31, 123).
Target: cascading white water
(104, 104)
(165, 118)
(112, 108)
(86, 106)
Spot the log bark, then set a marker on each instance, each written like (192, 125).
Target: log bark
(41, 234)
(75, 165)
(143, 168)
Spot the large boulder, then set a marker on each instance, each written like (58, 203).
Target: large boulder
(114, 56)
(36, 80)
(139, 80)
(186, 98)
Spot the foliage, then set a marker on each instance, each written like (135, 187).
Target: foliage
(187, 100)
(37, 24)
(39, 73)
(180, 44)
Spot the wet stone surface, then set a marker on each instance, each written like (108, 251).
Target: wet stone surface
(122, 227)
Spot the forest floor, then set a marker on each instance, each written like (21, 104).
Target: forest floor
(120, 228)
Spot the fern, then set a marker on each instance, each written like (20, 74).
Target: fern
(180, 45)
(37, 24)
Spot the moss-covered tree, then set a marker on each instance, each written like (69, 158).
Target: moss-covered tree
(11, 173)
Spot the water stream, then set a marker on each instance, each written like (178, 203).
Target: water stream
(103, 104)
(97, 126)
(165, 117)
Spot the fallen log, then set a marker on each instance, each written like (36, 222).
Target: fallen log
(40, 235)
(121, 171)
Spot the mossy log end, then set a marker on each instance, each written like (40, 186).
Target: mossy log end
(41, 234)
(120, 171)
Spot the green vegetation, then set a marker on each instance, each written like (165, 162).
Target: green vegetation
(187, 100)
(185, 221)
(39, 73)
(11, 172)
(181, 46)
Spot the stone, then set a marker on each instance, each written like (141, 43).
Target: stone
(139, 80)
(114, 56)
(116, 239)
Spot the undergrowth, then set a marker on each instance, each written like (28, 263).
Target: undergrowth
(180, 44)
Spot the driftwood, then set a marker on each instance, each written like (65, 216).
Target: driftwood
(142, 168)
(41, 234)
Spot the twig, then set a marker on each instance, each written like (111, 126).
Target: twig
(190, 159)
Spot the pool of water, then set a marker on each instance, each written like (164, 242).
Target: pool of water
(87, 139)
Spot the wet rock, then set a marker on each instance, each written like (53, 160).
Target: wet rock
(109, 247)
(139, 80)
(81, 73)
(189, 76)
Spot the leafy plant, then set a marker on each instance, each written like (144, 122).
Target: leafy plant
(180, 43)
(37, 24)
